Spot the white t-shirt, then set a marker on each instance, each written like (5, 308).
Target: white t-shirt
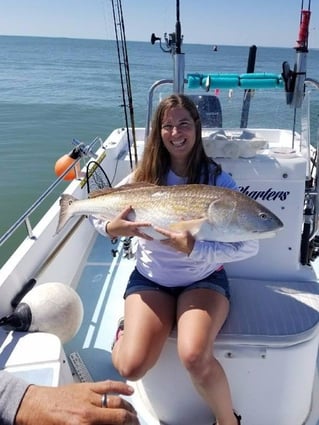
(168, 267)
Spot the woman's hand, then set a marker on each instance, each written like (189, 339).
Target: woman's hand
(181, 241)
(79, 403)
(120, 226)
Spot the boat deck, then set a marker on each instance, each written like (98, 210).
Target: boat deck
(270, 313)
(101, 289)
(272, 328)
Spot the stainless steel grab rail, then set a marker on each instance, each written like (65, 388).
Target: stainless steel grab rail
(25, 217)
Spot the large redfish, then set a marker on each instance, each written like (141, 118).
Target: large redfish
(208, 212)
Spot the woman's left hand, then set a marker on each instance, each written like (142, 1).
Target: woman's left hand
(181, 241)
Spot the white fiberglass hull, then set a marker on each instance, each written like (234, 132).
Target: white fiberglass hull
(268, 346)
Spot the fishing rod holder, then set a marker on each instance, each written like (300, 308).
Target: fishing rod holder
(170, 42)
(85, 150)
(173, 40)
(173, 43)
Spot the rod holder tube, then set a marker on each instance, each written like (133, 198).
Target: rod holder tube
(179, 68)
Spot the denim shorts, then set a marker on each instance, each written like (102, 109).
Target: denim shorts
(217, 281)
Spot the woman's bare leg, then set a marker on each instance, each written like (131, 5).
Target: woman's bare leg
(149, 317)
(200, 315)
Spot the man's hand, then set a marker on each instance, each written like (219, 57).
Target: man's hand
(77, 404)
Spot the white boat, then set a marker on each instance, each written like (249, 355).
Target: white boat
(269, 343)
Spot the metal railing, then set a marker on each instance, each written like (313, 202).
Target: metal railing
(25, 217)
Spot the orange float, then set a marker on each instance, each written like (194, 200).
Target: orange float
(63, 163)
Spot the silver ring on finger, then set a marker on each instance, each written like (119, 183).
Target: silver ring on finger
(104, 400)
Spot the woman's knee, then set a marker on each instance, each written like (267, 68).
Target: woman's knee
(131, 372)
(133, 360)
(191, 356)
(197, 360)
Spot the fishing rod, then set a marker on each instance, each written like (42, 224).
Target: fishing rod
(295, 91)
(123, 61)
(179, 58)
(173, 43)
(178, 30)
(301, 59)
(295, 79)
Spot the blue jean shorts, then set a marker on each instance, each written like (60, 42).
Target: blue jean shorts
(217, 281)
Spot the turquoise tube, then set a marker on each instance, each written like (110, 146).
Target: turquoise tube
(218, 81)
(261, 75)
(267, 83)
(245, 81)
(194, 81)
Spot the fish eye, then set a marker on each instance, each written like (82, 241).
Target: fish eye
(263, 216)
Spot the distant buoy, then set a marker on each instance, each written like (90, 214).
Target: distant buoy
(63, 163)
(51, 307)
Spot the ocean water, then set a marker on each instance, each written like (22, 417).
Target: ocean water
(53, 90)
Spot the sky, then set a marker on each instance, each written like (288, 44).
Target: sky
(271, 23)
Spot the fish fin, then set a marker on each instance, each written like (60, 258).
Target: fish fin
(65, 215)
(100, 192)
(192, 226)
(221, 212)
(128, 186)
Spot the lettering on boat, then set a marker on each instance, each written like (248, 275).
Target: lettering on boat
(264, 195)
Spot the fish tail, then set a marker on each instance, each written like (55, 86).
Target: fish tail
(65, 214)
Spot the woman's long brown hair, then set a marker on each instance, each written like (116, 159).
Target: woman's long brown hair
(155, 162)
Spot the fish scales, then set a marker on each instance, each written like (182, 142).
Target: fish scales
(208, 212)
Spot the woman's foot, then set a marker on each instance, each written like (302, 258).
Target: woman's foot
(119, 331)
(238, 417)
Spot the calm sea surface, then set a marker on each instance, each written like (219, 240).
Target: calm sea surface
(54, 90)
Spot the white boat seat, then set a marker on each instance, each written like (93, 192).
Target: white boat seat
(272, 312)
(272, 330)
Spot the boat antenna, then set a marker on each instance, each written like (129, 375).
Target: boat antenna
(173, 42)
(124, 69)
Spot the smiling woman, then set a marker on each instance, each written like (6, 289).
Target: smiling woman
(196, 294)
(184, 125)
(54, 90)
(179, 138)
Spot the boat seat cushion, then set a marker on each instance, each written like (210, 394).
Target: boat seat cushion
(272, 312)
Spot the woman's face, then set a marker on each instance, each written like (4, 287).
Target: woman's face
(178, 132)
